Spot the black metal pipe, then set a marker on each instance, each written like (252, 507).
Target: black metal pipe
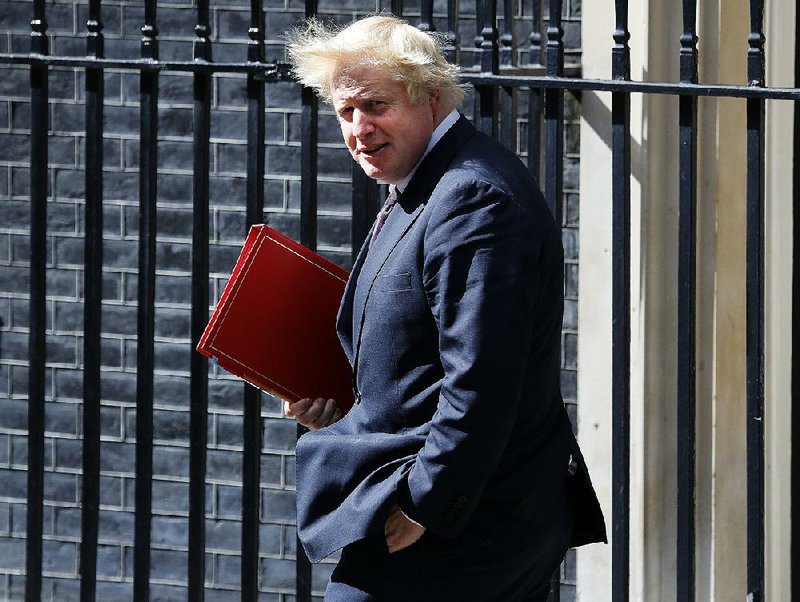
(621, 311)
(251, 459)
(198, 418)
(453, 50)
(554, 115)
(795, 366)
(687, 292)
(426, 16)
(755, 309)
(92, 287)
(38, 315)
(148, 166)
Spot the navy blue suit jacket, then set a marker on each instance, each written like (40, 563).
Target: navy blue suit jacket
(452, 323)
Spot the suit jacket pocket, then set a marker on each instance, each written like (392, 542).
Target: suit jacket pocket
(394, 283)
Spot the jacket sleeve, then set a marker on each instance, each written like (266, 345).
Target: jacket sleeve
(481, 277)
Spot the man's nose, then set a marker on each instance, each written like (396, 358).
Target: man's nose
(362, 124)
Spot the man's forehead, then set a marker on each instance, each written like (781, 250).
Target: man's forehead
(362, 83)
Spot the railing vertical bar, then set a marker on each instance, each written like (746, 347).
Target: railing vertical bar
(535, 38)
(38, 306)
(535, 107)
(508, 94)
(251, 460)
(92, 287)
(795, 374)
(554, 115)
(397, 8)
(487, 98)
(198, 417)
(148, 164)
(755, 309)
(453, 50)
(426, 16)
(687, 287)
(621, 334)
(308, 237)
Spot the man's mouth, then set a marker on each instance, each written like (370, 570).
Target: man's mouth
(371, 150)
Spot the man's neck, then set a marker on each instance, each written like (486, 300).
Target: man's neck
(439, 130)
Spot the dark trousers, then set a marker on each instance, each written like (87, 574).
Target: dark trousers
(506, 561)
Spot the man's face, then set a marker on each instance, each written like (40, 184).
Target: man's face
(384, 131)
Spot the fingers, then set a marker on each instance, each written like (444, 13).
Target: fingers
(313, 414)
(400, 532)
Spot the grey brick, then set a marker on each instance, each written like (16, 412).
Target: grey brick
(14, 346)
(14, 147)
(5, 458)
(20, 182)
(66, 522)
(221, 259)
(230, 225)
(109, 561)
(14, 483)
(120, 186)
(59, 556)
(229, 502)
(115, 526)
(170, 425)
(170, 461)
(175, 188)
(68, 384)
(289, 471)
(61, 418)
(570, 240)
(231, 92)
(228, 124)
(271, 469)
(13, 413)
(571, 280)
(223, 465)
(222, 394)
(570, 351)
(111, 591)
(225, 535)
(233, 24)
(60, 487)
(68, 316)
(277, 573)
(62, 349)
(118, 319)
(279, 434)
(111, 491)
(19, 515)
(229, 430)
(121, 119)
(12, 553)
(285, 160)
(169, 496)
(171, 356)
(117, 457)
(228, 569)
(171, 390)
(63, 282)
(570, 314)
(68, 453)
(168, 593)
(14, 279)
(269, 537)
(227, 191)
(569, 384)
(170, 531)
(278, 505)
(320, 576)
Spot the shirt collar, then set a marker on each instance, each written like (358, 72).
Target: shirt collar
(437, 134)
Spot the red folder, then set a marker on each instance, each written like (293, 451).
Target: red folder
(275, 324)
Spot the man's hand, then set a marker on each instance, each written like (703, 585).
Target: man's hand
(313, 414)
(400, 531)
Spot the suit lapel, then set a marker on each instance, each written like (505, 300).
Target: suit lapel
(400, 221)
(344, 318)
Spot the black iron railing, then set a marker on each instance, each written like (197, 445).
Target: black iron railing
(500, 82)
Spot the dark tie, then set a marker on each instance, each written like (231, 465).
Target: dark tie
(391, 201)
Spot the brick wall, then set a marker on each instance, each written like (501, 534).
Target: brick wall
(122, 20)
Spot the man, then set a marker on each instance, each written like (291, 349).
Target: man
(455, 476)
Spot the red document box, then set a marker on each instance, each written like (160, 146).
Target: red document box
(275, 324)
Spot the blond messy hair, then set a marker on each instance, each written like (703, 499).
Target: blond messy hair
(320, 54)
